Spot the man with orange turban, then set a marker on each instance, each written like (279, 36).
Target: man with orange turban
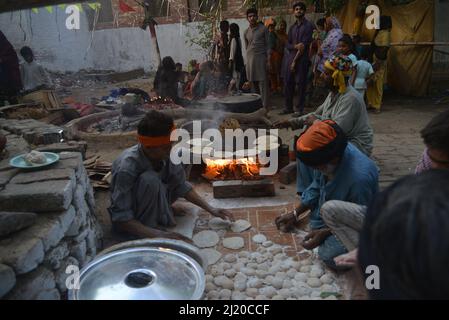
(341, 172)
(145, 184)
(344, 105)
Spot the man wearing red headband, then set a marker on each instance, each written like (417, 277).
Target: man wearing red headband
(145, 184)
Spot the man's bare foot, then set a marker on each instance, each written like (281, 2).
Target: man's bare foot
(347, 260)
(315, 238)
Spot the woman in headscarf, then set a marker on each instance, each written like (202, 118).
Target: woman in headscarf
(236, 62)
(10, 81)
(276, 56)
(282, 42)
(380, 46)
(329, 45)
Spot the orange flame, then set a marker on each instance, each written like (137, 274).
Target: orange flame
(232, 169)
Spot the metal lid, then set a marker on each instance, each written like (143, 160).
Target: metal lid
(141, 274)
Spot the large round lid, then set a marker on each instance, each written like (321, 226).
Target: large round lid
(141, 274)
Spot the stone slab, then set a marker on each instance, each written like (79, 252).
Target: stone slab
(45, 175)
(11, 222)
(37, 197)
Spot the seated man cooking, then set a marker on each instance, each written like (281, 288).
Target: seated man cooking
(145, 184)
(342, 172)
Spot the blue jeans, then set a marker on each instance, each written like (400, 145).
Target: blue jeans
(329, 249)
(304, 176)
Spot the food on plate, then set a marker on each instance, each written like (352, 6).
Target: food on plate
(35, 157)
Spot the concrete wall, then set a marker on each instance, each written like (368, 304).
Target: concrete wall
(441, 61)
(120, 49)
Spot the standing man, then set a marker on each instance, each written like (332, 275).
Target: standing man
(257, 55)
(300, 37)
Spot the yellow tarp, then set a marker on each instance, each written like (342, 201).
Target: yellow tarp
(409, 67)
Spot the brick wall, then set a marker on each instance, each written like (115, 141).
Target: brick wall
(179, 12)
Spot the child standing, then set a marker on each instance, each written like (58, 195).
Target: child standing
(364, 72)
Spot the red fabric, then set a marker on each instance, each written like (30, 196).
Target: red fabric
(124, 7)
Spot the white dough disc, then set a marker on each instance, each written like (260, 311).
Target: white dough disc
(240, 225)
(233, 243)
(206, 239)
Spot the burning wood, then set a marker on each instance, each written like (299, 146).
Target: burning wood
(232, 169)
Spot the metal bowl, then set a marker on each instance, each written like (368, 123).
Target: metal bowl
(141, 273)
(178, 245)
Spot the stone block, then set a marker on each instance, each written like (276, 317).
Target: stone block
(22, 252)
(44, 175)
(11, 222)
(6, 176)
(91, 242)
(7, 279)
(52, 294)
(71, 146)
(82, 235)
(16, 146)
(70, 160)
(37, 197)
(61, 274)
(288, 174)
(239, 188)
(31, 285)
(66, 218)
(4, 165)
(48, 228)
(54, 257)
(227, 189)
(78, 251)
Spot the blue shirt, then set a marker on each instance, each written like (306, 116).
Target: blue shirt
(355, 180)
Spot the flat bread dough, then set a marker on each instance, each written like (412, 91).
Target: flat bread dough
(259, 238)
(211, 255)
(240, 225)
(233, 243)
(206, 239)
(218, 224)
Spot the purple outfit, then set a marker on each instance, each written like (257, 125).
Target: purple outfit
(329, 45)
(298, 33)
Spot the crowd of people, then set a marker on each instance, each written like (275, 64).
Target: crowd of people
(290, 63)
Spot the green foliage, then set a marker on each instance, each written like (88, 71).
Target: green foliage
(204, 35)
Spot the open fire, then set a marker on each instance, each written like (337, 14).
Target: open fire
(232, 169)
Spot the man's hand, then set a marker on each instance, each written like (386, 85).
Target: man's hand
(315, 238)
(282, 124)
(300, 47)
(177, 236)
(223, 213)
(286, 222)
(293, 66)
(310, 120)
(246, 85)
